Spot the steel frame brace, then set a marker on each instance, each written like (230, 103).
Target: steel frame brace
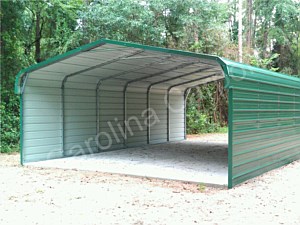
(168, 98)
(186, 94)
(140, 79)
(77, 73)
(163, 81)
(100, 81)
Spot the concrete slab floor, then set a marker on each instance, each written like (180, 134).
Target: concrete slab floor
(191, 160)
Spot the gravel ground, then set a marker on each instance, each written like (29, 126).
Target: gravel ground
(194, 160)
(56, 196)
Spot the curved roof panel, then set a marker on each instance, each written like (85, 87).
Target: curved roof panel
(128, 64)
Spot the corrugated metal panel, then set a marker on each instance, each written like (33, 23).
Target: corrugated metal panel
(79, 122)
(158, 129)
(264, 107)
(111, 118)
(265, 122)
(136, 117)
(41, 122)
(176, 117)
(60, 108)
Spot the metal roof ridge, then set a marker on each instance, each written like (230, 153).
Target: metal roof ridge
(232, 63)
(224, 63)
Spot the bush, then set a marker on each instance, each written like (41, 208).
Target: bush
(9, 121)
(198, 122)
(201, 116)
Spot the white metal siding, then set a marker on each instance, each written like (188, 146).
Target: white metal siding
(80, 121)
(111, 118)
(158, 132)
(136, 115)
(176, 117)
(42, 124)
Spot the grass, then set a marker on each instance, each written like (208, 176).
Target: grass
(201, 187)
(222, 130)
(9, 149)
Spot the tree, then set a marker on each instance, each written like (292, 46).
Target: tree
(240, 30)
(11, 62)
(249, 32)
(32, 31)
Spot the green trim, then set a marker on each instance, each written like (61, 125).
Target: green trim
(21, 130)
(120, 43)
(224, 63)
(255, 69)
(230, 138)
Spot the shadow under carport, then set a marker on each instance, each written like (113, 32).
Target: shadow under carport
(192, 160)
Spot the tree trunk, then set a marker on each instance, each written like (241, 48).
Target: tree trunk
(240, 30)
(85, 40)
(265, 41)
(250, 23)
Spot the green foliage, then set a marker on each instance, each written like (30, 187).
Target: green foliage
(201, 187)
(120, 20)
(11, 61)
(277, 30)
(9, 122)
(199, 123)
(202, 105)
(32, 31)
(266, 63)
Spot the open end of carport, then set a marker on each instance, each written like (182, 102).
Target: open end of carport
(199, 159)
(122, 95)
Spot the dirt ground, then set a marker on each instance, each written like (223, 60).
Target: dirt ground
(193, 160)
(31, 195)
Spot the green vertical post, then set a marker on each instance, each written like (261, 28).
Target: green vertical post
(230, 136)
(21, 129)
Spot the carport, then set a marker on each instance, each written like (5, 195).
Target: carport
(111, 95)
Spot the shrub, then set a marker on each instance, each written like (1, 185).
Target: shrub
(9, 121)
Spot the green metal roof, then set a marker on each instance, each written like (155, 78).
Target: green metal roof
(224, 63)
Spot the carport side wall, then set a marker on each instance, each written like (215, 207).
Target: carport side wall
(42, 121)
(265, 120)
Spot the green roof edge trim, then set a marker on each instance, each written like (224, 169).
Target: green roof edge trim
(224, 63)
(247, 67)
(99, 42)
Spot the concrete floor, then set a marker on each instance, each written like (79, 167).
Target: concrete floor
(189, 160)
